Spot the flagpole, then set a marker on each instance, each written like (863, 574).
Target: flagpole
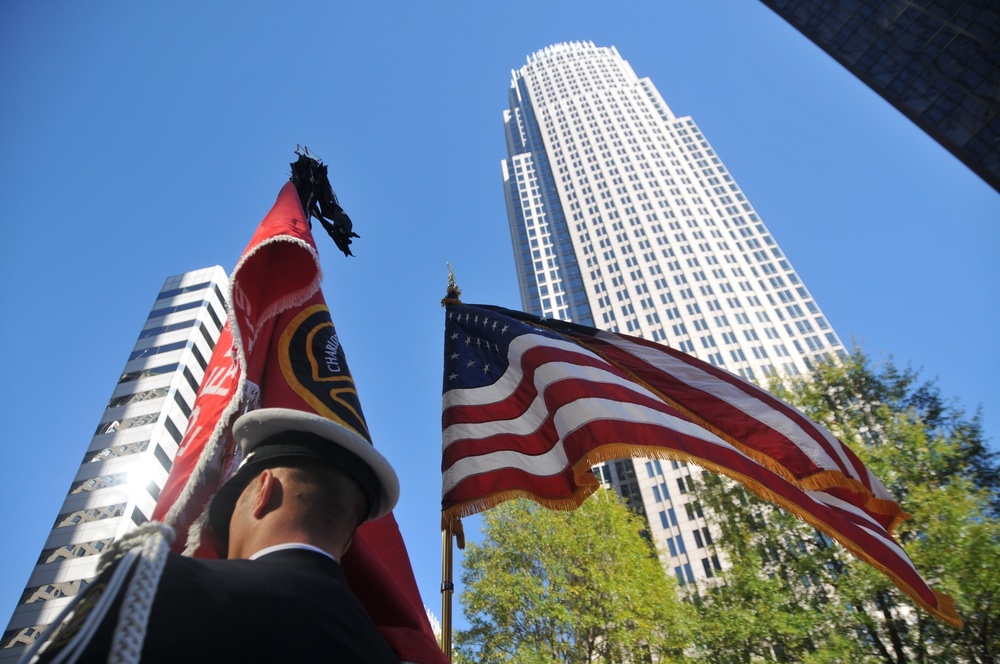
(447, 589)
(453, 527)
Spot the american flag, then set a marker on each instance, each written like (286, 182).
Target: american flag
(531, 404)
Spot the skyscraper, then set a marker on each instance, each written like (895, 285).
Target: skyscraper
(937, 61)
(126, 462)
(623, 217)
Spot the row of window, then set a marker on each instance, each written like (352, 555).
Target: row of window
(186, 289)
(21, 637)
(187, 306)
(77, 550)
(115, 451)
(95, 483)
(685, 575)
(87, 515)
(50, 591)
(176, 345)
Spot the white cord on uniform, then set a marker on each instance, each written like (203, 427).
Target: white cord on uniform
(146, 549)
(155, 540)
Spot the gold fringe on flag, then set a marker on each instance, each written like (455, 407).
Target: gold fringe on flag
(943, 607)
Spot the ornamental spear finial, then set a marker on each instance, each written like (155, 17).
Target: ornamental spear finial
(309, 174)
(454, 292)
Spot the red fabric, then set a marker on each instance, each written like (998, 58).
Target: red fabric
(376, 565)
(766, 428)
(218, 390)
(281, 328)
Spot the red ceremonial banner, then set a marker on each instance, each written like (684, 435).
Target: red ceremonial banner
(280, 349)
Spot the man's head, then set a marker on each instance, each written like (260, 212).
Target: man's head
(310, 502)
(326, 464)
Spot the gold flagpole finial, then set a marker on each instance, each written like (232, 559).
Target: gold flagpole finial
(454, 292)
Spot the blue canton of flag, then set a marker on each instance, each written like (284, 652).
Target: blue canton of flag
(476, 345)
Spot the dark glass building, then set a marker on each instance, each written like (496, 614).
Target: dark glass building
(937, 61)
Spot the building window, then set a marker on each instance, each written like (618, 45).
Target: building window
(162, 457)
(137, 397)
(73, 551)
(129, 422)
(115, 451)
(154, 331)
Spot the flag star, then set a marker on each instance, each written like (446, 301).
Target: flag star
(479, 343)
(454, 335)
(468, 340)
(486, 368)
(476, 319)
(470, 363)
(486, 320)
(503, 330)
(495, 323)
(454, 356)
(451, 314)
(452, 376)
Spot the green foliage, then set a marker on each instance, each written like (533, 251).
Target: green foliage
(793, 595)
(580, 586)
(584, 586)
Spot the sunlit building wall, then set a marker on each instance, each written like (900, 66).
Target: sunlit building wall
(126, 462)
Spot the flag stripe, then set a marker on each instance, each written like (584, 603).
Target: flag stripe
(580, 419)
(734, 403)
(756, 421)
(535, 427)
(742, 410)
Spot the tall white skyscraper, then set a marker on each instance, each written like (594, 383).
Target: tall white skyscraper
(624, 218)
(126, 462)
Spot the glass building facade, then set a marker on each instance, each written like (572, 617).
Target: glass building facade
(937, 61)
(623, 217)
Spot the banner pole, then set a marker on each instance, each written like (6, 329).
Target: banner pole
(447, 588)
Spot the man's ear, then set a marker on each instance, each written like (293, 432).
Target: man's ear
(267, 487)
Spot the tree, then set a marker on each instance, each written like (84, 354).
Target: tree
(821, 605)
(579, 586)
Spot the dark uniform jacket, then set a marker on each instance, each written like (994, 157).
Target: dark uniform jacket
(286, 606)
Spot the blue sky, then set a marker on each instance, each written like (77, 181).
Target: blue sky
(141, 140)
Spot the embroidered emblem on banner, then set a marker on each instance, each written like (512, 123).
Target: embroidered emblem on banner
(313, 363)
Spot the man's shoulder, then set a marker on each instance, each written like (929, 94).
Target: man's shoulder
(244, 599)
(182, 572)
